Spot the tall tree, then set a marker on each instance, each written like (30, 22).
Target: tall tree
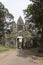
(5, 19)
(4, 16)
(35, 11)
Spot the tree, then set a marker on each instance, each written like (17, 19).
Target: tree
(5, 17)
(35, 10)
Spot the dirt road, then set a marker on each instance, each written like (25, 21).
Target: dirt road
(20, 57)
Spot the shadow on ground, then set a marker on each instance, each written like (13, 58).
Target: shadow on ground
(28, 53)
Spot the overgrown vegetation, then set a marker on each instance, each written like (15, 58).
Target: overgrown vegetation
(5, 18)
(3, 48)
(34, 14)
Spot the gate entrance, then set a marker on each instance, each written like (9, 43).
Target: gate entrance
(20, 41)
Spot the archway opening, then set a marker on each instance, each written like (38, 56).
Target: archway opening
(20, 41)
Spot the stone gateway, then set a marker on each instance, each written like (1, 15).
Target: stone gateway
(19, 35)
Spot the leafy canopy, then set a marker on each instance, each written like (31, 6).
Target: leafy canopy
(4, 16)
(36, 10)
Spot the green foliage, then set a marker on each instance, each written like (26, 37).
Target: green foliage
(4, 16)
(4, 24)
(2, 48)
(35, 10)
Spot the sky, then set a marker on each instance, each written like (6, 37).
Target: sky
(16, 7)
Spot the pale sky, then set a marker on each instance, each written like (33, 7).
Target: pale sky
(16, 7)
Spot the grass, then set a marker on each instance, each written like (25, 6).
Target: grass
(37, 49)
(3, 48)
(33, 49)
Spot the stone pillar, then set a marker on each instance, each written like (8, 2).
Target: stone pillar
(16, 43)
(14, 40)
(23, 27)
(24, 41)
(6, 43)
(26, 28)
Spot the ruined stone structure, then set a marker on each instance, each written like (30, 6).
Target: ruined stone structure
(19, 35)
